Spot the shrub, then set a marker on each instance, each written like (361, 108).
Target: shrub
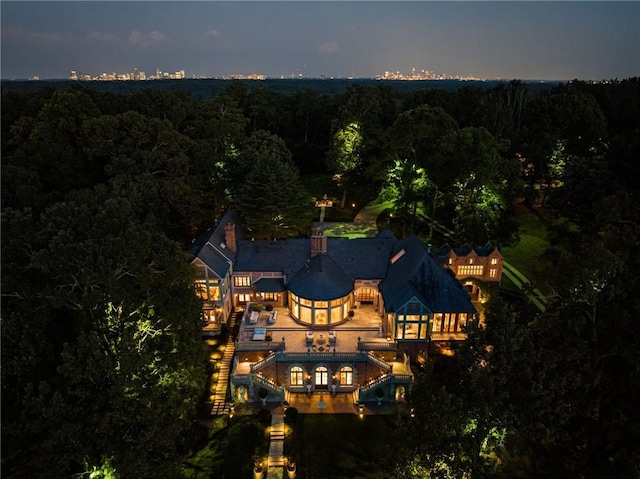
(291, 416)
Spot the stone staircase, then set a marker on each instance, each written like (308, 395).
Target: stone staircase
(220, 404)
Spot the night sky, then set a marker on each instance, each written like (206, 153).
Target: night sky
(525, 40)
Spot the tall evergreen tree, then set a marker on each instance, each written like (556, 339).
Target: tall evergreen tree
(271, 198)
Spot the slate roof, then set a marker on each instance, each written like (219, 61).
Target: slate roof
(269, 285)
(416, 274)
(362, 258)
(211, 248)
(465, 249)
(321, 279)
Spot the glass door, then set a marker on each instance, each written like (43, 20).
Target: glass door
(322, 377)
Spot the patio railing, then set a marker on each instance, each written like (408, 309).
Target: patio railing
(377, 346)
(387, 378)
(379, 362)
(268, 383)
(263, 363)
(318, 356)
(260, 346)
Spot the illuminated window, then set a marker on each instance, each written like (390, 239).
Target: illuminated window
(244, 298)
(346, 376)
(473, 270)
(450, 260)
(296, 376)
(423, 330)
(462, 320)
(410, 331)
(201, 290)
(494, 260)
(322, 376)
(242, 280)
(493, 272)
(437, 322)
(270, 296)
(470, 260)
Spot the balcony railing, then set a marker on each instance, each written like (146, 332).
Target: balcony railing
(263, 363)
(260, 346)
(268, 383)
(282, 356)
(379, 362)
(377, 346)
(386, 379)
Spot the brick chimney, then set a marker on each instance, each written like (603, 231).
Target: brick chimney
(230, 236)
(318, 243)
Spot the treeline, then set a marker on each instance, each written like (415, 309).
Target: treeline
(102, 193)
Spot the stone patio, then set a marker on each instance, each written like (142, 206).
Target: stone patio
(366, 325)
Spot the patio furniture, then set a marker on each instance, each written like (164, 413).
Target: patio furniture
(253, 319)
(309, 337)
(332, 338)
(259, 334)
(272, 317)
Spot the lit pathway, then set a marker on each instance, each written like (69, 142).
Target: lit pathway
(220, 404)
(275, 461)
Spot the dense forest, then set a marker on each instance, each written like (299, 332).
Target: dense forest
(102, 360)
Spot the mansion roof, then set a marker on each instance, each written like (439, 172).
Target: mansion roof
(414, 273)
(361, 258)
(406, 268)
(211, 246)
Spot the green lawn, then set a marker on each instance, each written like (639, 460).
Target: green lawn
(341, 446)
(537, 233)
(229, 450)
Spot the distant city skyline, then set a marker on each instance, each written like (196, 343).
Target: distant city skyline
(483, 39)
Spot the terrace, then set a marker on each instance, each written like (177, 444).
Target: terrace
(289, 335)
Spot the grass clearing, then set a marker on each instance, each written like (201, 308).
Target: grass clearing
(229, 450)
(341, 446)
(537, 231)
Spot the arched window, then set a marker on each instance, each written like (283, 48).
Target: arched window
(346, 376)
(322, 376)
(296, 376)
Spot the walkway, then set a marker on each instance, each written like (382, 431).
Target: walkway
(275, 460)
(220, 404)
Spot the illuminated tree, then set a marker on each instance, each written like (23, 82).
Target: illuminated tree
(102, 305)
(344, 156)
(406, 185)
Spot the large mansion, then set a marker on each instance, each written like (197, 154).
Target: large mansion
(338, 315)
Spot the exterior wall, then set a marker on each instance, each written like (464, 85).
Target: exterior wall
(484, 268)
(279, 299)
(217, 302)
(280, 372)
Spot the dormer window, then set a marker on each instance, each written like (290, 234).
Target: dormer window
(470, 260)
(494, 260)
(397, 256)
